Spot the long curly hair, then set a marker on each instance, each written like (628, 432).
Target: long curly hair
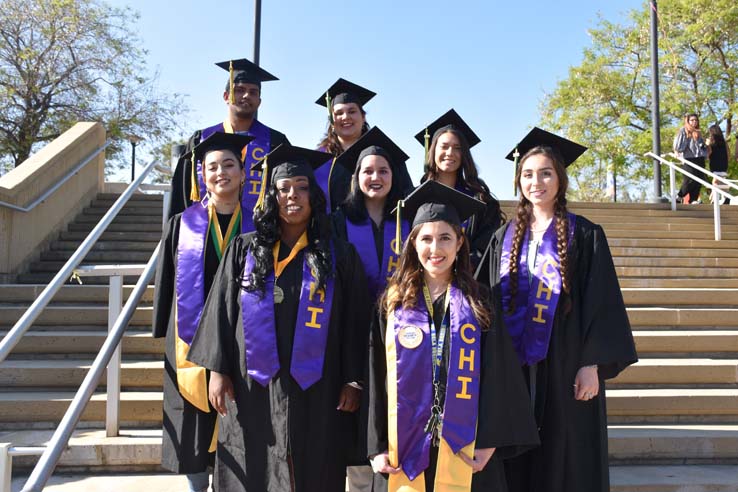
(354, 205)
(403, 288)
(467, 174)
(268, 232)
(330, 141)
(523, 214)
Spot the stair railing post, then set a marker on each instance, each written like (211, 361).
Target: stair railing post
(716, 216)
(112, 405)
(672, 187)
(6, 467)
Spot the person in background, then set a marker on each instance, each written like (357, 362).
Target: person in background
(717, 153)
(689, 144)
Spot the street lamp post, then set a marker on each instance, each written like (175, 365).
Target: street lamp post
(134, 139)
(655, 118)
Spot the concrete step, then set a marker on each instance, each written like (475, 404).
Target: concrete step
(72, 315)
(686, 342)
(50, 266)
(674, 478)
(675, 444)
(107, 245)
(69, 374)
(680, 297)
(625, 232)
(670, 403)
(114, 480)
(673, 262)
(679, 371)
(68, 293)
(63, 341)
(137, 197)
(45, 278)
(679, 283)
(676, 272)
(683, 317)
(116, 227)
(135, 209)
(49, 406)
(108, 236)
(666, 251)
(100, 257)
(120, 219)
(705, 244)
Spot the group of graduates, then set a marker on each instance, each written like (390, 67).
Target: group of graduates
(325, 319)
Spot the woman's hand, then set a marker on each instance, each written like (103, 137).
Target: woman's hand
(380, 464)
(586, 383)
(481, 457)
(219, 388)
(348, 400)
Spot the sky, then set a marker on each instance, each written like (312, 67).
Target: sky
(492, 61)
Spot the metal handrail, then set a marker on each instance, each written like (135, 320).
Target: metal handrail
(672, 189)
(24, 323)
(57, 184)
(46, 464)
(725, 181)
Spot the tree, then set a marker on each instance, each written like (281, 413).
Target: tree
(605, 102)
(64, 61)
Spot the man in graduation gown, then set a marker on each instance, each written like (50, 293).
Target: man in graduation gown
(277, 434)
(243, 98)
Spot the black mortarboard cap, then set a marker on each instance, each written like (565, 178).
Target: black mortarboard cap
(373, 142)
(570, 151)
(433, 201)
(217, 141)
(450, 119)
(288, 161)
(246, 72)
(342, 91)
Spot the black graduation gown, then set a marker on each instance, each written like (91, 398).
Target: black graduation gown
(182, 177)
(504, 421)
(573, 452)
(187, 431)
(481, 228)
(281, 435)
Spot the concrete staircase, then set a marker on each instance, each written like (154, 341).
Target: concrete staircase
(673, 416)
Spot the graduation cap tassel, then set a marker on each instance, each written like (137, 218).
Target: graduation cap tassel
(328, 105)
(398, 231)
(194, 188)
(516, 156)
(262, 190)
(232, 94)
(426, 137)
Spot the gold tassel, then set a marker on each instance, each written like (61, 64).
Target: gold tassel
(516, 155)
(262, 191)
(328, 105)
(398, 230)
(194, 187)
(427, 148)
(232, 94)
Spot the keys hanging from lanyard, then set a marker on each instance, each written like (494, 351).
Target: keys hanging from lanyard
(438, 341)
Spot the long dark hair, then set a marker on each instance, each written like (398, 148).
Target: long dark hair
(716, 136)
(330, 141)
(467, 174)
(524, 212)
(354, 205)
(268, 232)
(405, 284)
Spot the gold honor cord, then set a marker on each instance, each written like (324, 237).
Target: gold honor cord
(398, 228)
(219, 241)
(279, 266)
(232, 91)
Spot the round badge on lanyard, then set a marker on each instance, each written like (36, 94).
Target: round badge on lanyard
(410, 336)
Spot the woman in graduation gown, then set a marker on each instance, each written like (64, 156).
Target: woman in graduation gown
(448, 160)
(192, 246)
(284, 332)
(365, 220)
(557, 294)
(446, 393)
(347, 123)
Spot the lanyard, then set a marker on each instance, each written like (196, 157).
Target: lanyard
(279, 266)
(219, 240)
(438, 340)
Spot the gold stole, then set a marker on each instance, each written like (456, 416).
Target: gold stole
(452, 473)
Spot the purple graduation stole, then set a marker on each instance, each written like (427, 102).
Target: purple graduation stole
(362, 237)
(255, 151)
(531, 323)
(311, 329)
(409, 335)
(323, 177)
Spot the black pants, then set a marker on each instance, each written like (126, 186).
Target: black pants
(690, 187)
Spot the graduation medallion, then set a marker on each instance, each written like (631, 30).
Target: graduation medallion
(278, 294)
(410, 337)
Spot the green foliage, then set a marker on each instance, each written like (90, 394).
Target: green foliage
(605, 102)
(64, 61)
